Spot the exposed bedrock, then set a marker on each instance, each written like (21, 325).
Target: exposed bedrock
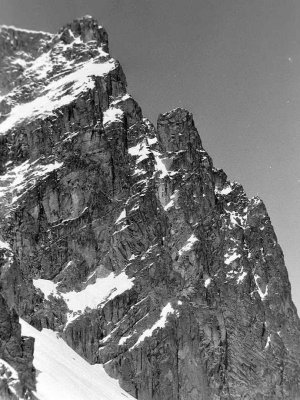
(126, 240)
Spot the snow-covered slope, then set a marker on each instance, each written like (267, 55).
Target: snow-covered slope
(63, 374)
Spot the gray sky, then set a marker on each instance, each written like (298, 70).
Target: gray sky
(234, 63)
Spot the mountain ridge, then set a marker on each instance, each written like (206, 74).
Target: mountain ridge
(188, 295)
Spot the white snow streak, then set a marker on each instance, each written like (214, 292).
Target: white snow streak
(123, 339)
(229, 258)
(189, 244)
(262, 294)
(121, 216)
(168, 309)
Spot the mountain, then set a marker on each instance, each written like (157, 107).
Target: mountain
(123, 240)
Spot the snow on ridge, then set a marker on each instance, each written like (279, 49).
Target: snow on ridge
(15, 28)
(120, 99)
(58, 93)
(63, 374)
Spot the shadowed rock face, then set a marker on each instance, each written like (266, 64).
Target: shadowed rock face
(126, 240)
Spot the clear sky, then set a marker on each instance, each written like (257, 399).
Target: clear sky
(234, 63)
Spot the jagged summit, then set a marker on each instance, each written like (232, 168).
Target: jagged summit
(123, 239)
(51, 70)
(86, 29)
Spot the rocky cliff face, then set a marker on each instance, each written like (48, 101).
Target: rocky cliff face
(124, 238)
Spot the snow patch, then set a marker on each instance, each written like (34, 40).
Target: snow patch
(112, 115)
(189, 244)
(63, 374)
(46, 286)
(4, 245)
(229, 258)
(124, 339)
(224, 191)
(169, 205)
(93, 295)
(207, 282)
(141, 151)
(152, 141)
(241, 277)
(268, 342)
(237, 219)
(101, 291)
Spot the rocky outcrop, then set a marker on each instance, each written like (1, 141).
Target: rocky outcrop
(17, 374)
(128, 242)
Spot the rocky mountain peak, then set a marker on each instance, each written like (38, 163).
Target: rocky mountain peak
(176, 131)
(86, 29)
(123, 240)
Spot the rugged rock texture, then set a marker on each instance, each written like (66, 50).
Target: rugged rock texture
(126, 240)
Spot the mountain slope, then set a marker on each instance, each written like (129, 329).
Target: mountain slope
(124, 239)
(61, 373)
